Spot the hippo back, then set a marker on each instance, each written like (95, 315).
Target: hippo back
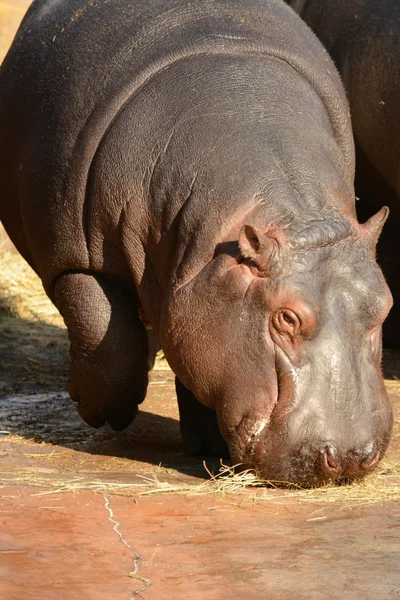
(74, 66)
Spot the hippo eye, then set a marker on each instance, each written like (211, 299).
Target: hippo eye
(286, 321)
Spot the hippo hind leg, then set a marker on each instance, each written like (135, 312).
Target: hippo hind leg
(199, 426)
(108, 348)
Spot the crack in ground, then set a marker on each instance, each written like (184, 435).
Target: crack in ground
(134, 573)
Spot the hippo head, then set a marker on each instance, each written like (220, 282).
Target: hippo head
(281, 334)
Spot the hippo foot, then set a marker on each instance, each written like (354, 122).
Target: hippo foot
(118, 416)
(109, 348)
(199, 426)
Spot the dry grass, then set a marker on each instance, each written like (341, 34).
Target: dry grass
(381, 487)
(22, 293)
(33, 339)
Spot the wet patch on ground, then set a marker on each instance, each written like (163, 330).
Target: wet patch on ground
(47, 433)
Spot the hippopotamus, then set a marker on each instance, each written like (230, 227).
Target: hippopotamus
(363, 38)
(186, 169)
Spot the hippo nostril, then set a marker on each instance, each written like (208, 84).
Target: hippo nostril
(371, 458)
(331, 459)
(351, 463)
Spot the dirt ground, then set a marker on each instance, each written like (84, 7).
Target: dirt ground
(90, 514)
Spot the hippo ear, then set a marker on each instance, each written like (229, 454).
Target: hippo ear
(260, 248)
(375, 224)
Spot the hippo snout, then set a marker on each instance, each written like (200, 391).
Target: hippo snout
(312, 460)
(320, 464)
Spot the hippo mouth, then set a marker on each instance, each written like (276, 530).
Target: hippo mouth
(260, 430)
(255, 435)
(306, 467)
(281, 457)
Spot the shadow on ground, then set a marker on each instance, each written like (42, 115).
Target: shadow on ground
(153, 439)
(33, 355)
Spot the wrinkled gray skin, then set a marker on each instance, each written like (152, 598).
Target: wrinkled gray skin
(189, 167)
(363, 38)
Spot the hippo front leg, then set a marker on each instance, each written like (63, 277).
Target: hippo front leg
(199, 426)
(108, 348)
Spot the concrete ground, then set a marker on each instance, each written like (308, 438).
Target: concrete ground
(88, 514)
